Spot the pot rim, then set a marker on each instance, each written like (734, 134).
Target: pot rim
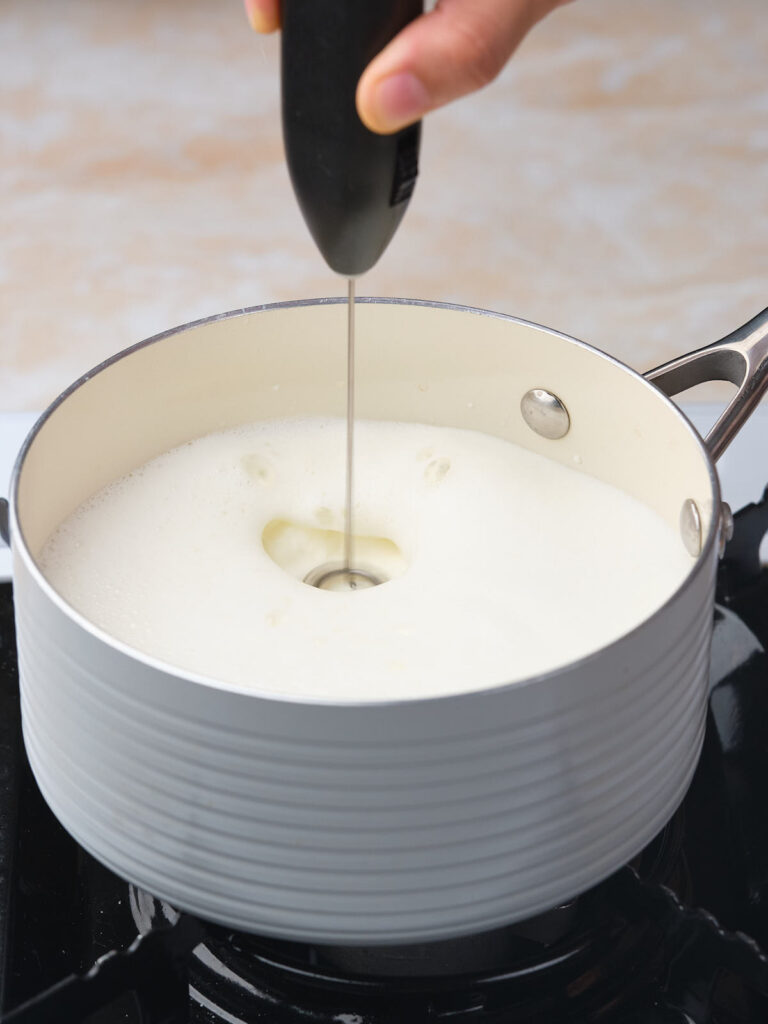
(18, 541)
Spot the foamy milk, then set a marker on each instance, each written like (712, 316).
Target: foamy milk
(503, 564)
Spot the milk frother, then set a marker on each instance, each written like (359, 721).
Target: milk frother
(352, 184)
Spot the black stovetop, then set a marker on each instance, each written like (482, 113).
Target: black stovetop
(679, 936)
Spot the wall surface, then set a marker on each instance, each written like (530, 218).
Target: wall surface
(612, 183)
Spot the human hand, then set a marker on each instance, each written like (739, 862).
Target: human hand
(458, 47)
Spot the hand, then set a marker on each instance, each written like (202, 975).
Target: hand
(458, 47)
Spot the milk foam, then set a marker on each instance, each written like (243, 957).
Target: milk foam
(507, 565)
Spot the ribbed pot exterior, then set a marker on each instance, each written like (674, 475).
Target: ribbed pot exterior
(362, 823)
(370, 823)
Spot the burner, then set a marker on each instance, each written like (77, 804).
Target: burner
(576, 957)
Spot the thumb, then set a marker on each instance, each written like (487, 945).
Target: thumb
(453, 50)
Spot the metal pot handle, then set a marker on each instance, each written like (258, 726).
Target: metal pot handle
(741, 358)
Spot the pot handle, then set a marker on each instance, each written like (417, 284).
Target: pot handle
(741, 358)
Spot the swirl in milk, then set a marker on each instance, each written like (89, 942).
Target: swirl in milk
(502, 564)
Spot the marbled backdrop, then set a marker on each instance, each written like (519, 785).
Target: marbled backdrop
(612, 183)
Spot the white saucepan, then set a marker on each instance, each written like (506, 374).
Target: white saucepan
(377, 822)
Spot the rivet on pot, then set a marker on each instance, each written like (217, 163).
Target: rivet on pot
(726, 526)
(690, 527)
(545, 414)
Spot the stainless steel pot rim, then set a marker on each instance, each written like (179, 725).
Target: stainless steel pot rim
(19, 542)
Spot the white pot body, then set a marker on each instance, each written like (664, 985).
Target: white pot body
(375, 822)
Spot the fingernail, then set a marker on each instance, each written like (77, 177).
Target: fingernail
(256, 16)
(396, 101)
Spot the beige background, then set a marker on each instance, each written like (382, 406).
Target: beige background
(612, 183)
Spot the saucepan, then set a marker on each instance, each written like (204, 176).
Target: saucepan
(375, 822)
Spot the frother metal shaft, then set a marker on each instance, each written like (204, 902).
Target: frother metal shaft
(349, 492)
(346, 575)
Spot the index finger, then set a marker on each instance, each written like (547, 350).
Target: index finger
(264, 15)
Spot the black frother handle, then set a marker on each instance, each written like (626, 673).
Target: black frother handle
(352, 185)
